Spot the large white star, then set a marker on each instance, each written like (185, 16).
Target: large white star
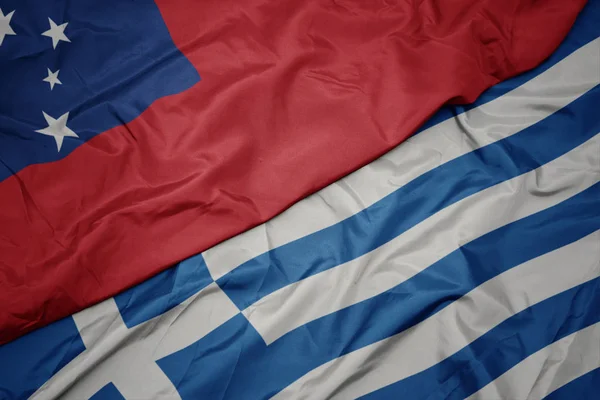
(57, 128)
(52, 78)
(56, 32)
(5, 28)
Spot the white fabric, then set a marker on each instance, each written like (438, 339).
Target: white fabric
(459, 324)
(427, 242)
(126, 357)
(548, 369)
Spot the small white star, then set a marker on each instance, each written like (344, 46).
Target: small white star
(56, 32)
(57, 128)
(5, 28)
(52, 78)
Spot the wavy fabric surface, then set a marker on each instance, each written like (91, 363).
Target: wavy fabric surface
(135, 134)
(465, 263)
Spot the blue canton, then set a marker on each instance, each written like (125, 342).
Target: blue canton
(70, 70)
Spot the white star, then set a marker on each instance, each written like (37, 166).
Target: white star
(57, 128)
(52, 78)
(56, 32)
(5, 28)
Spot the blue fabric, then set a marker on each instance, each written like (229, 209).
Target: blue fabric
(108, 392)
(29, 361)
(164, 291)
(236, 351)
(112, 70)
(501, 348)
(415, 202)
(586, 387)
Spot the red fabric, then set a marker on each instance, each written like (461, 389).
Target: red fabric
(294, 95)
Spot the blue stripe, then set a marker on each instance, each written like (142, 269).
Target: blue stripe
(586, 387)
(164, 291)
(476, 365)
(233, 359)
(415, 202)
(29, 361)
(585, 29)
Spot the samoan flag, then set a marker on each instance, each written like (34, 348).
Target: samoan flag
(465, 263)
(137, 133)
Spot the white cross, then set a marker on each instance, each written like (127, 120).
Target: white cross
(127, 357)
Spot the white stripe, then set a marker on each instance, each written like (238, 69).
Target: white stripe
(503, 117)
(426, 243)
(126, 357)
(454, 327)
(548, 369)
